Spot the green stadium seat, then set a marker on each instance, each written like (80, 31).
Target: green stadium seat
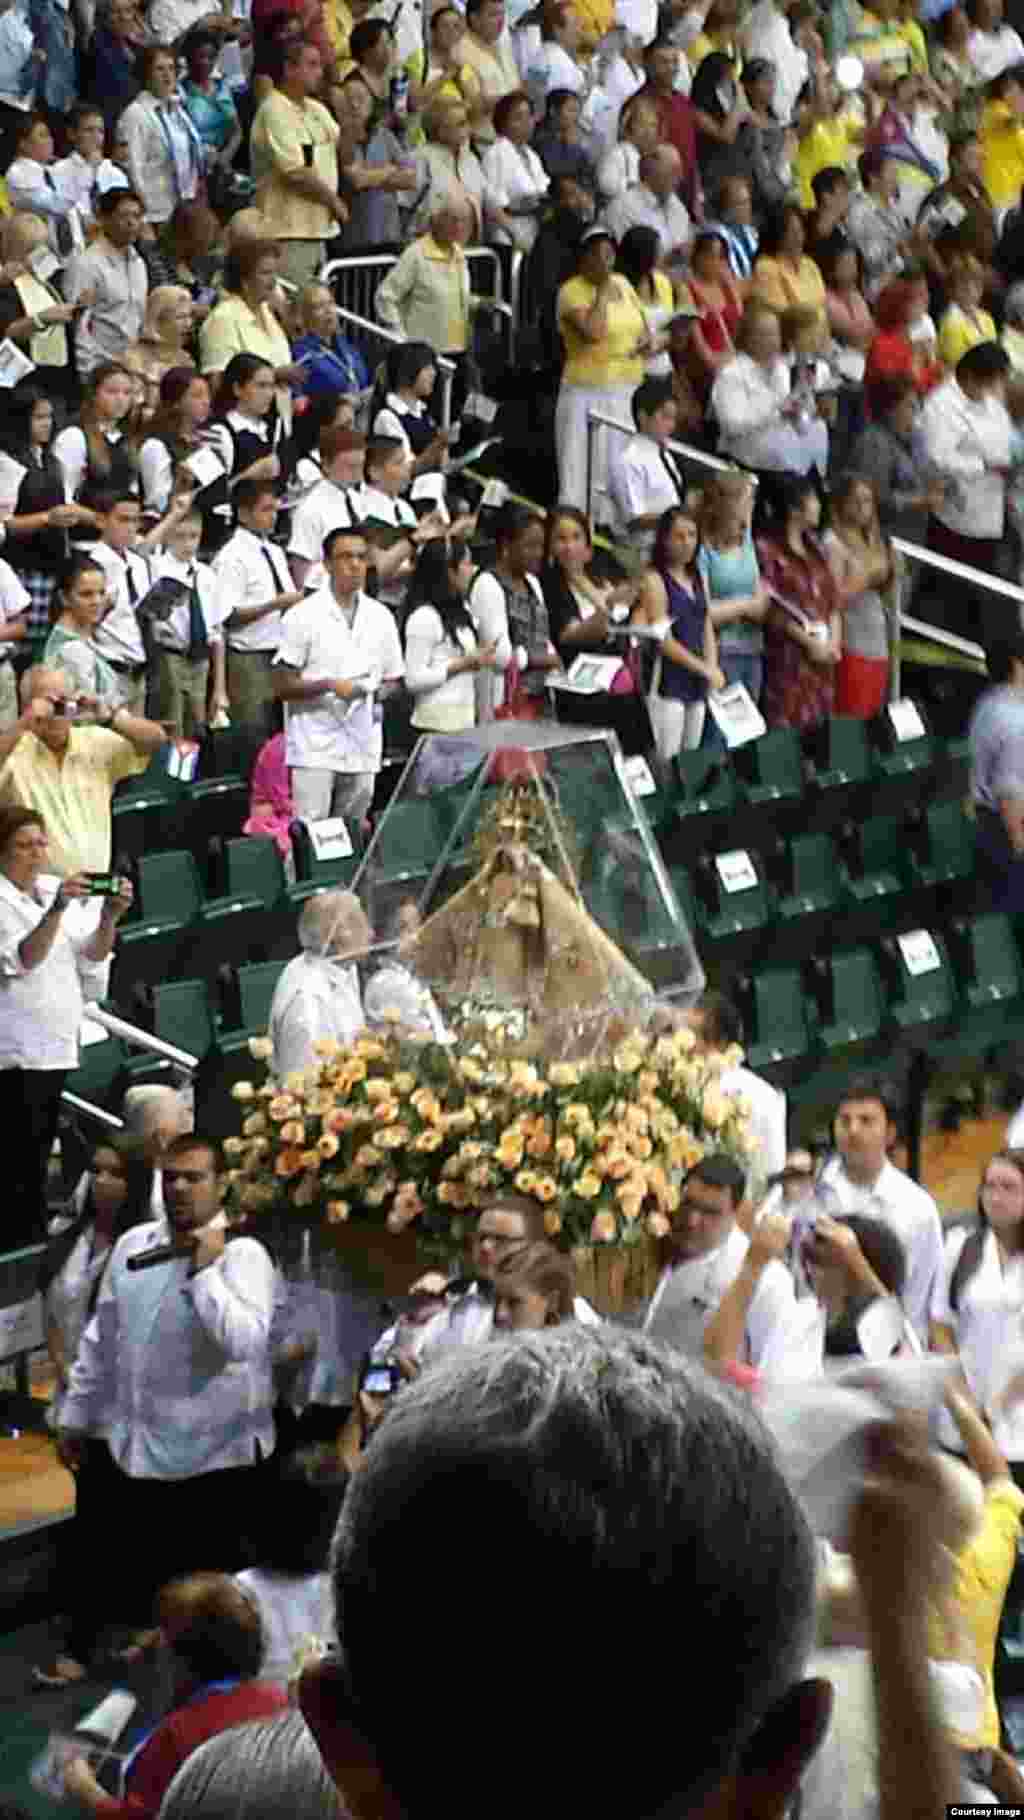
(988, 967)
(854, 1009)
(840, 755)
(247, 998)
(728, 913)
(182, 1013)
(705, 797)
(878, 864)
(770, 770)
(218, 930)
(215, 808)
(313, 874)
(783, 1023)
(407, 843)
(901, 758)
(947, 855)
(922, 998)
(813, 880)
(254, 870)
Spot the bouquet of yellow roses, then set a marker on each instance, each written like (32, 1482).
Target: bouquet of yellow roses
(404, 1133)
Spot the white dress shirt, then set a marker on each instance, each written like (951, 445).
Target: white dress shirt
(746, 400)
(989, 1327)
(78, 180)
(640, 207)
(444, 704)
(173, 632)
(169, 20)
(486, 603)
(177, 1368)
(688, 1295)
(115, 277)
(318, 641)
(316, 997)
(118, 636)
(514, 177)
(550, 66)
(639, 480)
(767, 34)
(323, 510)
(911, 1214)
(41, 1007)
(34, 187)
(251, 570)
(67, 1298)
(294, 1609)
(71, 452)
(14, 598)
(968, 440)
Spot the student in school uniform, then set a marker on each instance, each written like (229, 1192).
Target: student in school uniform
(118, 635)
(256, 584)
(189, 680)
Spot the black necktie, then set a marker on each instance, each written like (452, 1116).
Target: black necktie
(673, 472)
(198, 643)
(274, 576)
(133, 592)
(65, 238)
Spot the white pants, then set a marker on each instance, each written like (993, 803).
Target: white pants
(574, 402)
(318, 795)
(677, 725)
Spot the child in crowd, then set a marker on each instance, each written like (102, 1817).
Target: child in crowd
(291, 1585)
(189, 680)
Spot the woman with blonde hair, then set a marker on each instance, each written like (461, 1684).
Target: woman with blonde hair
(31, 311)
(863, 566)
(448, 163)
(638, 134)
(161, 345)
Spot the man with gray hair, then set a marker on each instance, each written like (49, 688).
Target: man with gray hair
(650, 1579)
(154, 1115)
(318, 994)
(654, 203)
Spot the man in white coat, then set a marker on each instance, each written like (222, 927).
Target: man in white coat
(318, 995)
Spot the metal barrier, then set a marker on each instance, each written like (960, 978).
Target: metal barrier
(596, 420)
(354, 282)
(375, 331)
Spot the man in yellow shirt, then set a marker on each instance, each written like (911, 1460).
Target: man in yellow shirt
(293, 147)
(68, 772)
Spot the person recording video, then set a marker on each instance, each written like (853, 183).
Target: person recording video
(56, 937)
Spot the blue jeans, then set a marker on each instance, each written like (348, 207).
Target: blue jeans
(745, 667)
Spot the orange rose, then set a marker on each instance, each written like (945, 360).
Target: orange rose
(428, 1140)
(328, 1145)
(658, 1226)
(292, 1131)
(384, 1111)
(288, 1162)
(368, 1156)
(552, 1223)
(337, 1212)
(565, 1149)
(394, 1137)
(602, 1229)
(545, 1188)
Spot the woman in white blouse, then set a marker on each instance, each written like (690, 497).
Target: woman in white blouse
(448, 164)
(442, 654)
(639, 134)
(164, 151)
(758, 424)
(978, 1305)
(515, 181)
(112, 1196)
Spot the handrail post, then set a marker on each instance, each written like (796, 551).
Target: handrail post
(592, 423)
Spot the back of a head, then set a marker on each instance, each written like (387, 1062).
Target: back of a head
(255, 1772)
(623, 1517)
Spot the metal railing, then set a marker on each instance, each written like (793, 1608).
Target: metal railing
(375, 331)
(355, 282)
(904, 622)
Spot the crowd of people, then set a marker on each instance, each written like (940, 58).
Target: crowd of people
(727, 237)
(298, 1428)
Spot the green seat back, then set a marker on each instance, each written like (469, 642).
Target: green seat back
(858, 1000)
(256, 985)
(996, 965)
(951, 851)
(254, 868)
(783, 1024)
(169, 887)
(183, 1015)
(817, 881)
(772, 767)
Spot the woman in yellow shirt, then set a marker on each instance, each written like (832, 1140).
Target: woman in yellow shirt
(784, 278)
(447, 77)
(604, 332)
(964, 323)
(1002, 140)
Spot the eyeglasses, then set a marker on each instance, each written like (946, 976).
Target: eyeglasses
(187, 1175)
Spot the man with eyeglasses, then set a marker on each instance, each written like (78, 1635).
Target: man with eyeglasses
(707, 1252)
(175, 1369)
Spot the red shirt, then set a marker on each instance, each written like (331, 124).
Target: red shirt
(677, 127)
(182, 1732)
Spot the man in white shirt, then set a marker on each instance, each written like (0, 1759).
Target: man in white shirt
(85, 172)
(170, 20)
(388, 468)
(643, 478)
(861, 1179)
(964, 431)
(706, 1253)
(111, 275)
(654, 203)
(256, 584)
(339, 651)
(750, 399)
(175, 1365)
(335, 500)
(717, 1024)
(317, 995)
